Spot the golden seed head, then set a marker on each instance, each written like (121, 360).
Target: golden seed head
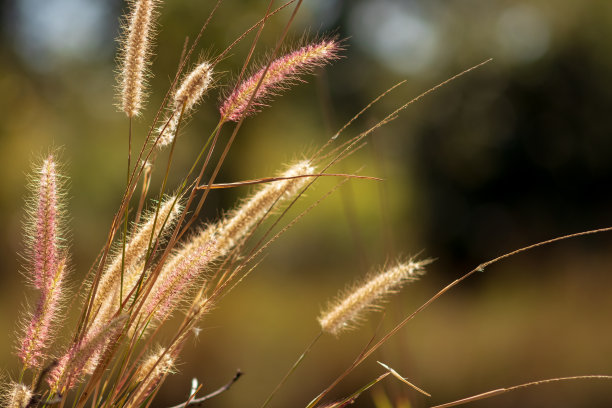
(348, 309)
(17, 396)
(136, 50)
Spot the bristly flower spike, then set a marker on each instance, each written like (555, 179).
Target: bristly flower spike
(44, 245)
(49, 266)
(107, 300)
(347, 311)
(181, 274)
(38, 333)
(17, 396)
(188, 95)
(136, 49)
(151, 372)
(233, 228)
(282, 71)
(72, 364)
(183, 271)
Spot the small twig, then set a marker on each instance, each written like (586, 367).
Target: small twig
(198, 401)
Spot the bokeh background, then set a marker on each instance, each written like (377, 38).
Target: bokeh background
(514, 153)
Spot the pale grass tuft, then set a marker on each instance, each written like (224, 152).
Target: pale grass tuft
(188, 95)
(136, 50)
(347, 311)
(156, 364)
(16, 396)
(43, 228)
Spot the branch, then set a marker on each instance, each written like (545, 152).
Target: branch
(198, 401)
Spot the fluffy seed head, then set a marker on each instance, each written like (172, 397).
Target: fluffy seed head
(282, 71)
(151, 372)
(107, 294)
(233, 228)
(347, 311)
(71, 365)
(47, 263)
(193, 86)
(17, 396)
(188, 95)
(182, 273)
(136, 49)
(38, 334)
(44, 244)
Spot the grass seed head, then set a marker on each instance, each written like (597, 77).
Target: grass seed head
(190, 92)
(135, 52)
(348, 309)
(38, 334)
(233, 228)
(48, 263)
(16, 396)
(107, 294)
(282, 71)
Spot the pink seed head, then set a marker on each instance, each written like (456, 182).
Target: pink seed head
(281, 71)
(39, 332)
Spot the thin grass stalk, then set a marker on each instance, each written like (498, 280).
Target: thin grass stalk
(292, 369)
(499, 391)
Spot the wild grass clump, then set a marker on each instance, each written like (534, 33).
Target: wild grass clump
(160, 262)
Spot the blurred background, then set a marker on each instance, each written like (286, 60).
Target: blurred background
(514, 153)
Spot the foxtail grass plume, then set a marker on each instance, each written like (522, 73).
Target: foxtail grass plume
(179, 276)
(348, 309)
(106, 300)
(16, 396)
(38, 334)
(44, 245)
(135, 53)
(281, 72)
(183, 271)
(48, 265)
(188, 95)
(235, 226)
(70, 367)
(151, 372)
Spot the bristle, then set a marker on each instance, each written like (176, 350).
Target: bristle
(281, 71)
(136, 49)
(347, 311)
(188, 95)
